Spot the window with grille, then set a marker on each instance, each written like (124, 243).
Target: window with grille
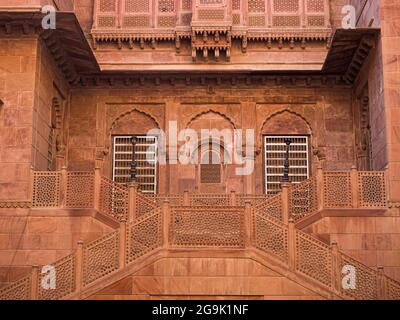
(146, 159)
(210, 168)
(275, 150)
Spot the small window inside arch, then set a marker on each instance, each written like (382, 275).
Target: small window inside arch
(210, 168)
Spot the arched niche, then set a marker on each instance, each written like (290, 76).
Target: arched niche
(189, 176)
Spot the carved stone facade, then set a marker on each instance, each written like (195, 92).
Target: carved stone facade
(124, 67)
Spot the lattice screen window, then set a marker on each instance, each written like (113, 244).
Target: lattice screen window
(275, 150)
(210, 168)
(146, 158)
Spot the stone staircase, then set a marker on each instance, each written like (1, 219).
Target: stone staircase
(259, 229)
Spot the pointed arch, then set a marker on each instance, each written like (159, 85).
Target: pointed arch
(130, 112)
(210, 111)
(294, 115)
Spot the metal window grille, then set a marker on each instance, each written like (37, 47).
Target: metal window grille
(146, 159)
(275, 149)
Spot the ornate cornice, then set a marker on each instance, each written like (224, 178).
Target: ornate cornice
(211, 80)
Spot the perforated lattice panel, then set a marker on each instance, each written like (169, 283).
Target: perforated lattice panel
(19, 290)
(106, 22)
(271, 237)
(80, 190)
(337, 190)
(313, 258)
(198, 227)
(113, 199)
(288, 6)
(315, 5)
(100, 258)
(365, 280)
(65, 280)
(372, 190)
(108, 5)
(211, 14)
(46, 189)
(271, 207)
(256, 6)
(303, 199)
(144, 235)
(137, 6)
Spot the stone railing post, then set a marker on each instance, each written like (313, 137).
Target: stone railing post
(63, 188)
(381, 284)
(132, 203)
(232, 198)
(292, 245)
(354, 186)
(97, 188)
(248, 223)
(320, 187)
(79, 266)
(166, 211)
(122, 244)
(34, 282)
(335, 277)
(186, 199)
(285, 201)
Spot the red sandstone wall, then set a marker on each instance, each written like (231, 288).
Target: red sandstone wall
(49, 84)
(40, 239)
(390, 17)
(327, 111)
(17, 87)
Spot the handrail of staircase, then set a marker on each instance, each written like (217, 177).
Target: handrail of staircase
(235, 227)
(300, 251)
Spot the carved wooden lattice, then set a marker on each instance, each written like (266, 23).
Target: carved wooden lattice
(19, 290)
(65, 280)
(46, 189)
(80, 190)
(271, 207)
(271, 236)
(303, 199)
(209, 200)
(365, 280)
(113, 199)
(337, 190)
(392, 289)
(201, 227)
(372, 190)
(144, 235)
(313, 258)
(100, 257)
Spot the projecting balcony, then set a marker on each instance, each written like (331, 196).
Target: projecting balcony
(206, 30)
